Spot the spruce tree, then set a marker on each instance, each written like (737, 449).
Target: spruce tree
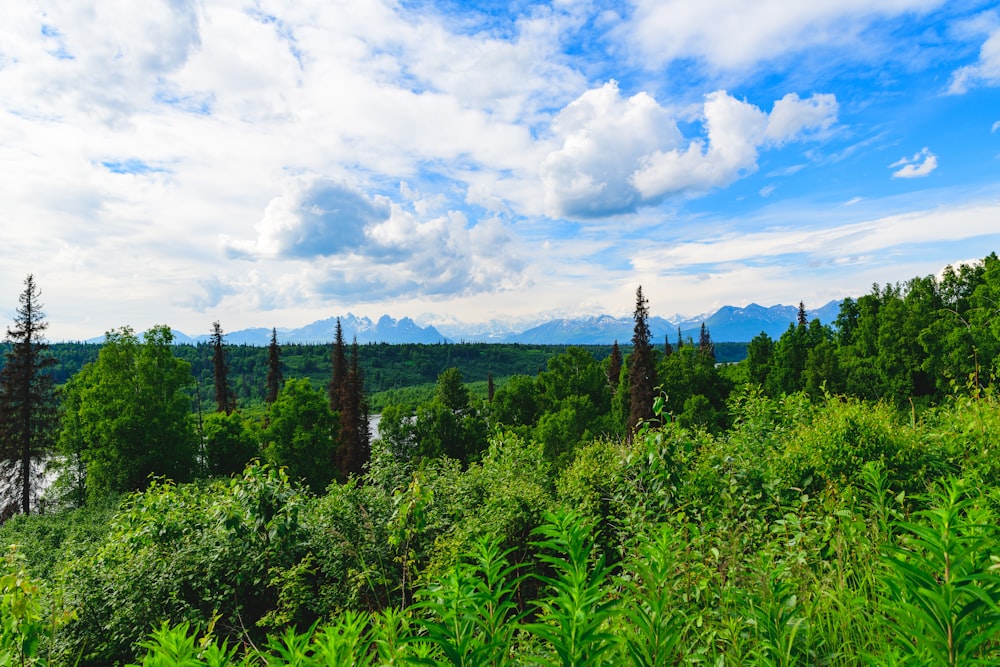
(490, 388)
(28, 417)
(614, 366)
(705, 345)
(354, 442)
(668, 349)
(273, 369)
(225, 399)
(801, 318)
(642, 370)
(338, 375)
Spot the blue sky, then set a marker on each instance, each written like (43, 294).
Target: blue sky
(493, 163)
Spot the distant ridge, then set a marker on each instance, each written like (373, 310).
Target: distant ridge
(727, 324)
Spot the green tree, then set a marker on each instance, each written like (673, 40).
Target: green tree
(133, 413)
(273, 369)
(695, 393)
(451, 392)
(516, 402)
(641, 367)
(27, 401)
(300, 435)
(705, 345)
(225, 399)
(229, 444)
(615, 365)
(354, 448)
(338, 370)
(760, 356)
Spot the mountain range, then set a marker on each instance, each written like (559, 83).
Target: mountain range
(727, 324)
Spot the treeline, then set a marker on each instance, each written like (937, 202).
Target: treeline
(386, 366)
(915, 342)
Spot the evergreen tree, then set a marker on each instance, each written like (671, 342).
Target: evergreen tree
(614, 366)
(274, 376)
(490, 388)
(338, 375)
(354, 448)
(225, 399)
(705, 346)
(801, 318)
(642, 368)
(668, 349)
(680, 340)
(27, 401)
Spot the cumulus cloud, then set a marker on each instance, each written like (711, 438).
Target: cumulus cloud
(984, 72)
(791, 116)
(616, 154)
(921, 164)
(313, 218)
(603, 136)
(371, 248)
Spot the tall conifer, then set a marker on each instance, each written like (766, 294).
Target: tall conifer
(705, 345)
(642, 371)
(274, 377)
(801, 318)
(28, 417)
(354, 446)
(338, 374)
(614, 366)
(225, 399)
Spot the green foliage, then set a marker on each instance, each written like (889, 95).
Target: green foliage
(652, 622)
(574, 616)
(471, 615)
(448, 425)
(300, 435)
(229, 443)
(22, 620)
(186, 553)
(128, 416)
(942, 582)
(843, 436)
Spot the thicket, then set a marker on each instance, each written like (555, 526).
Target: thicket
(831, 533)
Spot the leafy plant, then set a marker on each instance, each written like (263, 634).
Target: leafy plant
(943, 583)
(576, 611)
(472, 614)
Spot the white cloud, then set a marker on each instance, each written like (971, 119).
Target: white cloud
(984, 72)
(369, 248)
(921, 164)
(617, 154)
(791, 116)
(313, 218)
(602, 138)
(767, 190)
(734, 34)
(996, 126)
(867, 238)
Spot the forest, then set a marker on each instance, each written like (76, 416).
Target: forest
(829, 499)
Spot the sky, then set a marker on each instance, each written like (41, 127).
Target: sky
(266, 164)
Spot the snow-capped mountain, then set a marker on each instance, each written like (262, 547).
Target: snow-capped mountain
(727, 324)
